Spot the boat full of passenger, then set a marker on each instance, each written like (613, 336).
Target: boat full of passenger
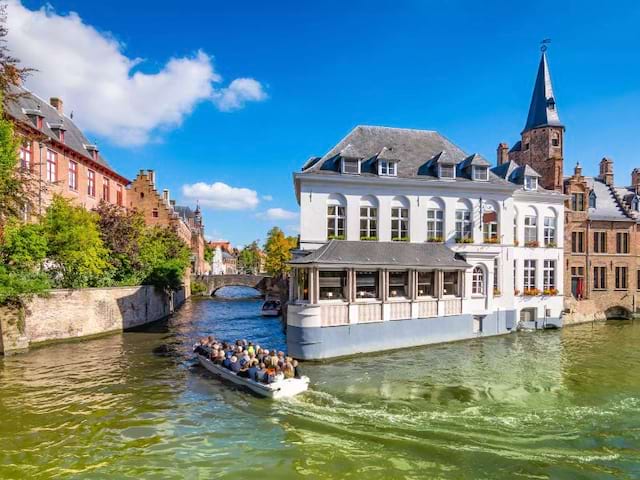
(266, 373)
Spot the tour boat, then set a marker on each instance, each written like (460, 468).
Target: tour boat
(271, 308)
(285, 388)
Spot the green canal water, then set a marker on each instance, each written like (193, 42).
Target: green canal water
(556, 404)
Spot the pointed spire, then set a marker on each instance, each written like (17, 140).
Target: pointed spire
(543, 110)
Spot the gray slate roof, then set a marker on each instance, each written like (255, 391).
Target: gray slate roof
(184, 212)
(514, 173)
(607, 206)
(391, 254)
(73, 136)
(417, 153)
(543, 110)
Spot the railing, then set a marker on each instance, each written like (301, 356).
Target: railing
(452, 306)
(427, 308)
(369, 312)
(400, 310)
(333, 315)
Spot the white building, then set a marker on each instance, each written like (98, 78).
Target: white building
(411, 241)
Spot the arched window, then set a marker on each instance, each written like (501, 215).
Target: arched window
(368, 218)
(336, 217)
(477, 287)
(400, 219)
(435, 220)
(592, 199)
(490, 230)
(464, 222)
(531, 228)
(550, 227)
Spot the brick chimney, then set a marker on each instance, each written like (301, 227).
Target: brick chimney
(503, 153)
(152, 177)
(56, 103)
(606, 171)
(165, 196)
(577, 171)
(635, 179)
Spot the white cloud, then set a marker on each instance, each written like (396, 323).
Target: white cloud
(221, 196)
(95, 79)
(267, 198)
(280, 214)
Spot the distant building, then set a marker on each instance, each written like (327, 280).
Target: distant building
(59, 157)
(224, 261)
(159, 210)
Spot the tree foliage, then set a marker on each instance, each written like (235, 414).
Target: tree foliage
(278, 249)
(208, 254)
(165, 258)
(249, 258)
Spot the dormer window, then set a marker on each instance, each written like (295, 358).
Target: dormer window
(387, 168)
(592, 200)
(351, 166)
(447, 171)
(530, 182)
(635, 204)
(480, 173)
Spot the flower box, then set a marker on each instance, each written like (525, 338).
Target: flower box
(464, 240)
(516, 292)
(435, 240)
(551, 245)
(491, 240)
(531, 292)
(400, 239)
(516, 243)
(336, 237)
(532, 244)
(550, 291)
(369, 239)
(496, 292)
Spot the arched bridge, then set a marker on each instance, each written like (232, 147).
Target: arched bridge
(263, 283)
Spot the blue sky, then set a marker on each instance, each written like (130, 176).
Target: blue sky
(463, 68)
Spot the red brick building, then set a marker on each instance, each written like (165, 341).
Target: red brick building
(602, 220)
(59, 156)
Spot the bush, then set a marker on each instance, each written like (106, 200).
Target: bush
(198, 288)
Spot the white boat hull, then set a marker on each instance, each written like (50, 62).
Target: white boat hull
(270, 313)
(282, 389)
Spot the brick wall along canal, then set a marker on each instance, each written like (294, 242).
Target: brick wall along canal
(562, 404)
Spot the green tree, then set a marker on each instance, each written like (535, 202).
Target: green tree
(76, 252)
(208, 254)
(278, 249)
(249, 258)
(121, 232)
(165, 258)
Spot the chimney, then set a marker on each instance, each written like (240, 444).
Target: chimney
(578, 170)
(56, 103)
(503, 153)
(606, 171)
(635, 179)
(152, 177)
(165, 196)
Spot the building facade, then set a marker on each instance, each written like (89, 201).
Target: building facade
(59, 158)
(159, 210)
(602, 229)
(225, 258)
(407, 240)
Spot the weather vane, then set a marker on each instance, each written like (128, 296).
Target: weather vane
(544, 43)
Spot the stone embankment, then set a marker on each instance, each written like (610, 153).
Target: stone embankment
(69, 314)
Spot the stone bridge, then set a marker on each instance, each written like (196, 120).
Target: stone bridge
(263, 283)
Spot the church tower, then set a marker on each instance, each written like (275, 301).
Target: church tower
(542, 140)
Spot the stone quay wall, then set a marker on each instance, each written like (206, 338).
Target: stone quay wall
(69, 314)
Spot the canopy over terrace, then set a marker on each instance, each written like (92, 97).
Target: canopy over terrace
(354, 271)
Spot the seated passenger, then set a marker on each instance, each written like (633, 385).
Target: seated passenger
(261, 373)
(235, 365)
(244, 371)
(253, 370)
(288, 370)
(296, 369)
(226, 363)
(279, 375)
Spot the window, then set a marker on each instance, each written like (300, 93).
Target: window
(490, 227)
(550, 231)
(426, 284)
(528, 315)
(435, 224)
(91, 185)
(154, 213)
(549, 275)
(451, 284)
(526, 146)
(398, 284)
(577, 242)
(477, 323)
(600, 242)
(366, 284)
(592, 200)
(119, 199)
(399, 223)
(477, 285)
(73, 175)
(351, 166)
(529, 274)
(599, 278)
(621, 278)
(622, 242)
(106, 194)
(577, 202)
(496, 276)
(368, 223)
(530, 229)
(25, 155)
(302, 284)
(387, 168)
(515, 230)
(555, 140)
(530, 182)
(335, 222)
(333, 285)
(447, 171)
(52, 166)
(638, 280)
(480, 173)
(463, 225)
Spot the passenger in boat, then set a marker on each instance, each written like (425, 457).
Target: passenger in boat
(226, 363)
(253, 370)
(279, 375)
(261, 373)
(296, 369)
(235, 364)
(250, 348)
(219, 359)
(288, 371)
(244, 371)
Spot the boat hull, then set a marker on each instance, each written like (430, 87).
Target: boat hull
(282, 389)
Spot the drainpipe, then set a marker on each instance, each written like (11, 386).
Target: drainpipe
(587, 245)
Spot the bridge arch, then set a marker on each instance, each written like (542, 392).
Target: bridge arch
(262, 283)
(617, 313)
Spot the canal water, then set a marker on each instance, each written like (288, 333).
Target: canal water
(556, 404)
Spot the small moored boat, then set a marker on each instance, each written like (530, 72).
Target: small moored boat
(271, 308)
(285, 388)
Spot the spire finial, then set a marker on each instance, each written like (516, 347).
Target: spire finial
(544, 43)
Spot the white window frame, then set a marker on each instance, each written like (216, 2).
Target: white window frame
(464, 225)
(387, 168)
(453, 171)
(435, 223)
(549, 274)
(402, 230)
(26, 155)
(73, 175)
(529, 274)
(530, 226)
(550, 228)
(333, 221)
(344, 163)
(477, 169)
(52, 166)
(478, 281)
(371, 221)
(530, 182)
